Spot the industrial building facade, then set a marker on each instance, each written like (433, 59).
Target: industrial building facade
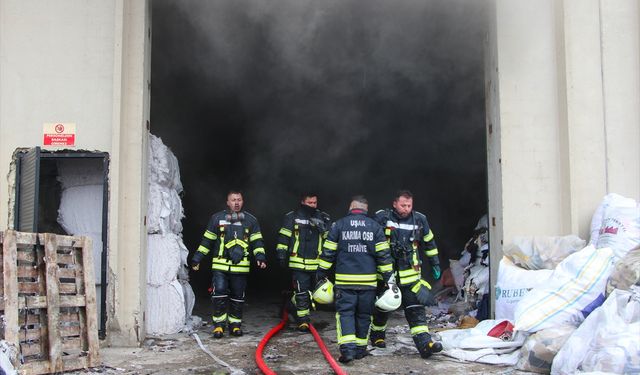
(562, 91)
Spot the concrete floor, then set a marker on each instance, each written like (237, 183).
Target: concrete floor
(289, 352)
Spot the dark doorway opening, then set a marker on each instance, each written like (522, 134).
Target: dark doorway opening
(342, 98)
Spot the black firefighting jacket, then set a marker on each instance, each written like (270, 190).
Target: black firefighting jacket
(228, 235)
(301, 237)
(358, 247)
(407, 237)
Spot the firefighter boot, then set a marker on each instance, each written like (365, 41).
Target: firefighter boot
(426, 346)
(377, 339)
(347, 353)
(235, 330)
(303, 327)
(361, 351)
(218, 331)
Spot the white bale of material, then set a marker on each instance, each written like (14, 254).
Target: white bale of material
(542, 252)
(163, 165)
(189, 297)
(620, 230)
(576, 287)
(165, 211)
(79, 214)
(608, 341)
(163, 259)
(514, 283)
(612, 199)
(165, 310)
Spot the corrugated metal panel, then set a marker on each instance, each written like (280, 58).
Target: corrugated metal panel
(29, 184)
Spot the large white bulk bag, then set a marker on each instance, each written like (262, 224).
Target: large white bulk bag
(608, 341)
(514, 283)
(165, 211)
(165, 311)
(596, 220)
(576, 287)
(163, 259)
(542, 252)
(620, 229)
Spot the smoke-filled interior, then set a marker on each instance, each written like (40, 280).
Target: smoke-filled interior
(338, 97)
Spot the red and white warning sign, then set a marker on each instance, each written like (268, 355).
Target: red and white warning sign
(59, 134)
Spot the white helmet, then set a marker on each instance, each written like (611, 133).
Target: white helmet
(390, 300)
(324, 292)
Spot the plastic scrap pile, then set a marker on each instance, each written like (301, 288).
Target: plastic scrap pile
(170, 298)
(574, 308)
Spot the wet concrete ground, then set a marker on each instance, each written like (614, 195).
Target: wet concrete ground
(289, 352)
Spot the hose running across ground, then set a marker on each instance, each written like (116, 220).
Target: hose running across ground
(327, 355)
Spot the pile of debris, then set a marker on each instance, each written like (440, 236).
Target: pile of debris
(561, 306)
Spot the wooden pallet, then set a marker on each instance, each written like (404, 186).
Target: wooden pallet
(48, 300)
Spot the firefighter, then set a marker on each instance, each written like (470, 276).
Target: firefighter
(357, 246)
(299, 244)
(232, 235)
(408, 234)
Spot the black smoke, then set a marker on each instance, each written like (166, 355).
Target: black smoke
(339, 97)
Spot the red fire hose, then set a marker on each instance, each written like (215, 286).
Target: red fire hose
(327, 355)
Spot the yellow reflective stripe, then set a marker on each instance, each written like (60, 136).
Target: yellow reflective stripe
(428, 237)
(361, 342)
(239, 269)
(235, 242)
(432, 252)
(258, 250)
(203, 250)
(378, 328)
(324, 264)
(408, 272)
(233, 319)
(419, 329)
(330, 245)
(382, 246)
(303, 260)
(362, 283)
(220, 318)
(285, 232)
(409, 279)
(356, 277)
(244, 262)
(255, 237)
(416, 287)
(210, 235)
(385, 268)
(302, 313)
(346, 339)
(282, 247)
(414, 258)
(387, 232)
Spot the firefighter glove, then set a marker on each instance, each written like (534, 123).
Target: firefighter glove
(195, 266)
(422, 290)
(236, 254)
(436, 271)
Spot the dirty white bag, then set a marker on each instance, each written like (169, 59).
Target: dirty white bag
(163, 165)
(513, 284)
(612, 199)
(538, 351)
(620, 230)
(165, 211)
(626, 272)
(607, 341)
(576, 287)
(542, 252)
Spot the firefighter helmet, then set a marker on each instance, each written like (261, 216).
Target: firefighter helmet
(390, 300)
(324, 292)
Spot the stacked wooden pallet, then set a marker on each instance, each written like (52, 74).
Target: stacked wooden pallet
(48, 301)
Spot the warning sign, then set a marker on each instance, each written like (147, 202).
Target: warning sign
(59, 134)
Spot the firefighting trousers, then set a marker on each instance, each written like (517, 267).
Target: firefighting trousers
(413, 312)
(303, 282)
(353, 317)
(228, 298)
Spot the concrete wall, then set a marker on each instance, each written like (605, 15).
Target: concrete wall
(85, 62)
(566, 75)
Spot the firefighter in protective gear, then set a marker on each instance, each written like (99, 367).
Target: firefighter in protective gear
(299, 244)
(408, 234)
(231, 236)
(357, 246)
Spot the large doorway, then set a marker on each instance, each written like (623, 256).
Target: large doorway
(339, 97)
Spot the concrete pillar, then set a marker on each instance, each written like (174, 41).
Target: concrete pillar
(127, 235)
